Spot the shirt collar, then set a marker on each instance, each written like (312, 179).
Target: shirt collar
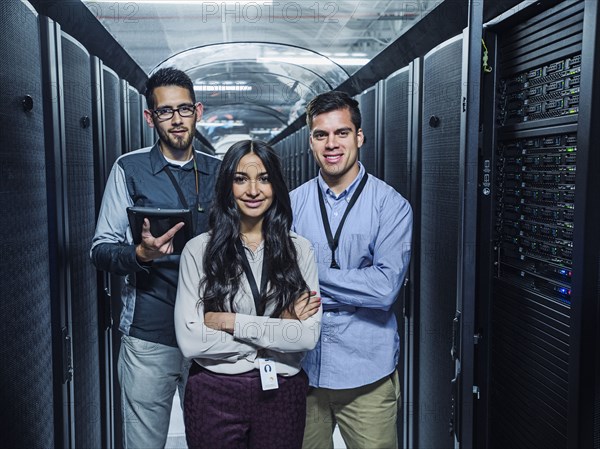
(348, 191)
(159, 162)
(255, 255)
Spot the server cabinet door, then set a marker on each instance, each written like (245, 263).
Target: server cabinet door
(439, 224)
(464, 389)
(537, 150)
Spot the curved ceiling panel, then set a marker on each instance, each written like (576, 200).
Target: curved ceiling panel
(232, 78)
(293, 61)
(221, 45)
(240, 119)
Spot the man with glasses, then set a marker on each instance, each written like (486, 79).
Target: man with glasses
(168, 175)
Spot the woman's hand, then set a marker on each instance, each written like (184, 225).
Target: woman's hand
(305, 306)
(220, 321)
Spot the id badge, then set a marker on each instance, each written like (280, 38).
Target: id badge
(268, 374)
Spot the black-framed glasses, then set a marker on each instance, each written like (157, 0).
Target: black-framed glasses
(187, 110)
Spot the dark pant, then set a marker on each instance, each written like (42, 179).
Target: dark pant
(232, 411)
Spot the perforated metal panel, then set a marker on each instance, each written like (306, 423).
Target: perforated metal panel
(311, 168)
(539, 64)
(81, 222)
(439, 234)
(295, 160)
(529, 368)
(26, 378)
(113, 149)
(287, 164)
(148, 138)
(112, 117)
(304, 157)
(367, 153)
(135, 118)
(396, 132)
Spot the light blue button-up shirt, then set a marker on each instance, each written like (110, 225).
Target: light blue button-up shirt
(359, 341)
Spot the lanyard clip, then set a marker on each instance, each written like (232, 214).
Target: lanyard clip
(334, 264)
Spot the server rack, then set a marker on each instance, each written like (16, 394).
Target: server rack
(438, 249)
(297, 159)
(58, 236)
(290, 151)
(291, 158)
(412, 304)
(394, 168)
(302, 157)
(135, 118)
(283, 151)
(397, 104)
(32, 391)
(369, 111)
(107, 148)
(80, 223)
(584, 427)
(531, 159)
(313, 169)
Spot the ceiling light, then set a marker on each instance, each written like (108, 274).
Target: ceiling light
(217, 124)
(313, 60)
(265, 131)
(351, 61)
(222, 87)
(181, 2)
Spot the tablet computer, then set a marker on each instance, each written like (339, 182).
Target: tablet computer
(161, 220)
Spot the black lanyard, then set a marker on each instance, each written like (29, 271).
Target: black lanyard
(331, 240)
(178, 187)
(260, 307)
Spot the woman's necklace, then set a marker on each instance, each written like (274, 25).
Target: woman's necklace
(252, 241)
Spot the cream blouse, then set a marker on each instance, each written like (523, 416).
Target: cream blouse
(283, 340)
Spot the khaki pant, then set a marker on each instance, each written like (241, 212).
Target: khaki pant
(366, 416)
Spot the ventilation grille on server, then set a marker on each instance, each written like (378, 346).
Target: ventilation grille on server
(297, 159)
(26, 388)
(442, 73)
(396, 154)
(368, 152)
(135, 118)
(81, 224)
(537, 104)
(112, 117)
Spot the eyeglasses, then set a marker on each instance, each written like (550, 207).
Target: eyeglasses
(187, 110)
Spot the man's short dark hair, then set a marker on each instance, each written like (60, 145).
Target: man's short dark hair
(332, 101)
(168, 76)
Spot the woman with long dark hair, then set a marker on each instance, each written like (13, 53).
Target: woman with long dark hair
(247, 310)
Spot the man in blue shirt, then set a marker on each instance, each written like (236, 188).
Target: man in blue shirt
(361, 230)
